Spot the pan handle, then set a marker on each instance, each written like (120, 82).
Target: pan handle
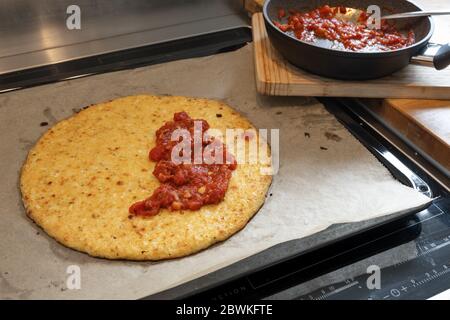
(434, 55)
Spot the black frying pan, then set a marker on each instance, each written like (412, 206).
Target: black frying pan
(350, 65)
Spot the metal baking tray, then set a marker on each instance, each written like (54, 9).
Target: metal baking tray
(256, 271)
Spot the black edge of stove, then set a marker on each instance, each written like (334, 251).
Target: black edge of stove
(362, 110)
(260, 276)
(236, 279)
(350, 113)
(202, 45)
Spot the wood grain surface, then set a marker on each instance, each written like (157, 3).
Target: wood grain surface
(275, 76)
(426, 123)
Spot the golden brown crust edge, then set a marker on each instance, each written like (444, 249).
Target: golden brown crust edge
(60, 232)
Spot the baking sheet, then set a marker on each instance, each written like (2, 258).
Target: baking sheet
(325, 177)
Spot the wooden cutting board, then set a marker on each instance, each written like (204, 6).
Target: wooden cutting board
(426, 123)
(277, 77)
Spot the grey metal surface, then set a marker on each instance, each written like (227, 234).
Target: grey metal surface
(34, 33)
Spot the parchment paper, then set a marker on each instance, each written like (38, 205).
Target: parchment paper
(315, 187)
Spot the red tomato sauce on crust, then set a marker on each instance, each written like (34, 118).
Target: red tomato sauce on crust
(322, 23)
(185, 186)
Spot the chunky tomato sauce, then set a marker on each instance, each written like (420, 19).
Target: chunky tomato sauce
(186, 185)
(322, 23)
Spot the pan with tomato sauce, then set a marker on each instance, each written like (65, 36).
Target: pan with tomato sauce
(324, 23)
(314, 35)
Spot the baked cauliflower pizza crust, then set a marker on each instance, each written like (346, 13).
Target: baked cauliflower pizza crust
(81, 177)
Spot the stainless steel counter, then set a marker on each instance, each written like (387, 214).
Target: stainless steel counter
(34, 33)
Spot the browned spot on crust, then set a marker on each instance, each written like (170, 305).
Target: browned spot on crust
(332, 136)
